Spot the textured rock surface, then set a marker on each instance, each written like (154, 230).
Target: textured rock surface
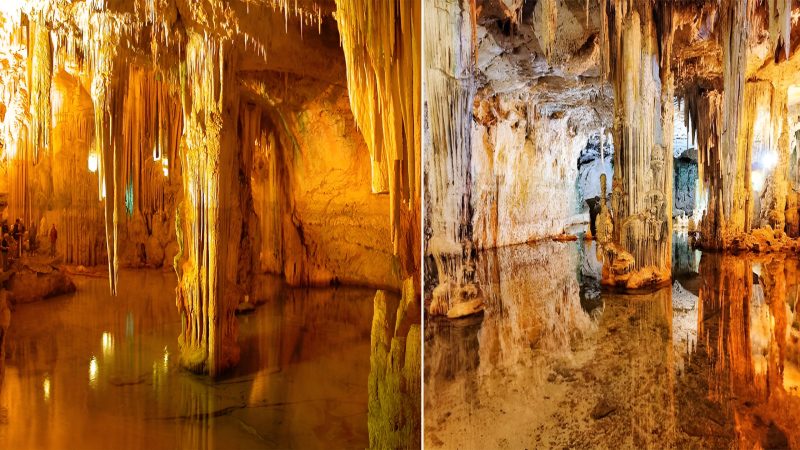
(32, 282)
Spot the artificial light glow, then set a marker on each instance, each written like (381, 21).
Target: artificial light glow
(93, 162)
(11, 7)
(757, 180)
(156, 154)
(11, 151)
(46, 388)
(769, 160)
(93, 372)
(165, 166)
(108, 344)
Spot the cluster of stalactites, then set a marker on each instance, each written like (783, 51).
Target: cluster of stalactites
(780, 25)
(151, 127)
(381, 42)
(726, 175)
(40, 68)
(548, 23)
(449, 92)
(703, 119)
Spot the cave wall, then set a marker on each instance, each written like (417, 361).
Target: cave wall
(318, 220)
(524, 171)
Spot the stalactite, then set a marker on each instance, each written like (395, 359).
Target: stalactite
(40, 69)
(449, 96)
(780, 26)
(104, 96)
(640, 50)
(548, 23)
(381, 42)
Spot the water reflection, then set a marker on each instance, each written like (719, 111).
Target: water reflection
(554, 364)
(91, 371)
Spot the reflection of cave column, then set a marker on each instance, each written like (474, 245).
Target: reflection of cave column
(642, 188)
(775, 296)
(724, 322)
(449, 95)
(210, 218)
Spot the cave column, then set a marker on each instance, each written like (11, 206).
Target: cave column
(209, 217)
(779, 112)
(641, 251)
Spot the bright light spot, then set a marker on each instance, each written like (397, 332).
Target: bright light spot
(11, 7)
(156, 155)
(93, 372)
(92, 162)
(103, 191)
(757, 180)
(165, 167)
(11, 150)
(108, 344)
(769, 160)
(166, 358)
(46, 388)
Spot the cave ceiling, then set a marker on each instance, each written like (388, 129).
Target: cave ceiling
(512, 56)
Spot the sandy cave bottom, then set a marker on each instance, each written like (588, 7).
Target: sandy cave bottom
(92, 371)
(557, 362)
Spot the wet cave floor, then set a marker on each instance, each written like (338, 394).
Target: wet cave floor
(91, 371)
(712, 361)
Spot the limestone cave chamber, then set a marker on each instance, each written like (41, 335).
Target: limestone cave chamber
(212, 224)
(611, 235)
